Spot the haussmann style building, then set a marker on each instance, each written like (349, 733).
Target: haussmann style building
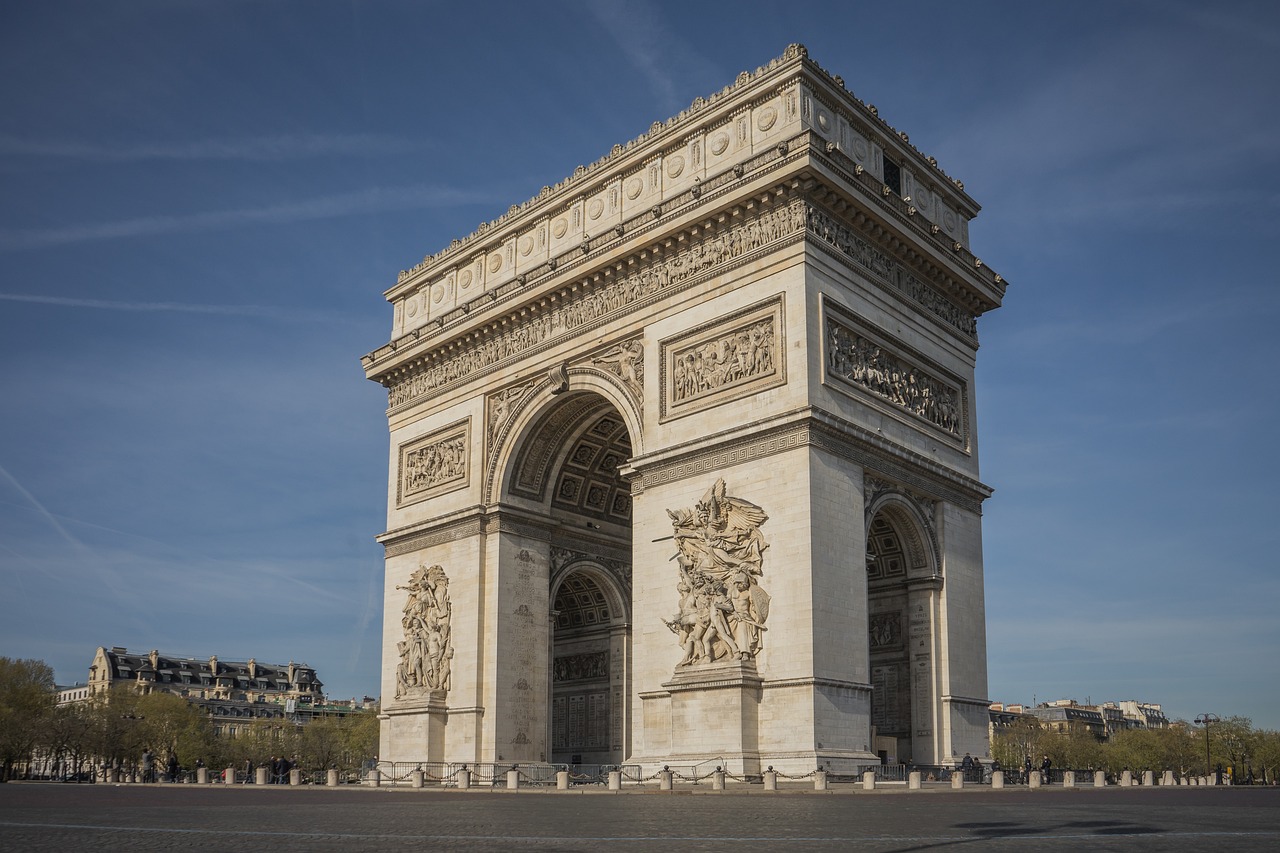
(683, 458)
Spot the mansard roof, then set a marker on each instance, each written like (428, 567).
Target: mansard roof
(126, 664)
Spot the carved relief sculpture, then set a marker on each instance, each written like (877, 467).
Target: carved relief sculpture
(434, 464)
(426, 650)
(626, 361)
(720, 554)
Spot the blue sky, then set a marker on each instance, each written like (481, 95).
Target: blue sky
(201, 204)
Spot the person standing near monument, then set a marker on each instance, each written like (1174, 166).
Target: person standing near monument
(146, 765)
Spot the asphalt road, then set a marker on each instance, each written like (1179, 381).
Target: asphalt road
(38, 817)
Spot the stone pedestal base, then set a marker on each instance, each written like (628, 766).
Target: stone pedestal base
(715, 714)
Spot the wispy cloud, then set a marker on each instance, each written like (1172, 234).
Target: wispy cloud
(372, 200)
(262, 311)
(258, 148)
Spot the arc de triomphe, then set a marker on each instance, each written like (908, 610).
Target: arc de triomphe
(683, 455)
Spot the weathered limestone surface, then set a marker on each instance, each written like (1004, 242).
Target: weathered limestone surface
(691, 440)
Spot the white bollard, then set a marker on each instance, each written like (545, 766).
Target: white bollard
(1033, 780)
(913, 780)
(202, 775)
(229, 775)
(1148, 778)
(464, 779)
(513, 779)
(1126, 779)
(615, 780)
(997, 780)
(957, 780)
(820, 780)
(869, 780)
(717, 780)
(331, 779)
(415, 779)
(562, 780)
(295, 777)
(260, 776)
(1166, 778)
(664, 780)
(1068, 778)
(770, 780)
(1099, 779)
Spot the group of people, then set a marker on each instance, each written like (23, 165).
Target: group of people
(150, 766)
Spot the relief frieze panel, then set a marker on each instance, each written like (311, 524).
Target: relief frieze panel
(426, 652)
(730, 357)
(434, 464)
(855, 358)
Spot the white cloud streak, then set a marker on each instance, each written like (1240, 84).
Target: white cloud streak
(373, 200)
(261, 148)
(268, 312)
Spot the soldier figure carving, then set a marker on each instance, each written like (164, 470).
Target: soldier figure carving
(426, 651)
(720, 555)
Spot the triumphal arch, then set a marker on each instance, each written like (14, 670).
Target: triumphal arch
(683, 458)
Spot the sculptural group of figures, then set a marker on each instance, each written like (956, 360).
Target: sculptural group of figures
(435, 463)
(864, 363)
(744, 354)
(720, 553)
(426, 650)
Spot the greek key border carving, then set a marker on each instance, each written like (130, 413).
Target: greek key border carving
(451, 532)
(450, 447)
(757, 331)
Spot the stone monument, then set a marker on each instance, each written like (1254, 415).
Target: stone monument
(684, 459)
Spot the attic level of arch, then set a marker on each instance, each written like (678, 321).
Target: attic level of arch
(805, 207)
(920, 243)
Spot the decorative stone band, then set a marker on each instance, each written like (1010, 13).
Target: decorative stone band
(580, 667)
(812, 428)
(434, 464)
(475, 522)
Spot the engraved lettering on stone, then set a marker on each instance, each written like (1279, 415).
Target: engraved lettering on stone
(598, 302)
(426, 651)
(720, 556)
(866, 364)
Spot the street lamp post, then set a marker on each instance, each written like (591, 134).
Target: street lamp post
(1205, 720)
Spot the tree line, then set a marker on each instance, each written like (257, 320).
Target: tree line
(1234, 746)
(39, 737)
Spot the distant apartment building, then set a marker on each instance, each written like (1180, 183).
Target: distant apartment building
(1102, 720)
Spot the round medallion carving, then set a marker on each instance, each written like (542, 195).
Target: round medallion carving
(526, 245)
(675, 165)
(495, 263)
(464, 279)
(558, 227)
(411, 307)
(949, 220)
(824, 120)
(768, 118)
(437, 294)
(719, 142)
(595, 209)
(635, 186)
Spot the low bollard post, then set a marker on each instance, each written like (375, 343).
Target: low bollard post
(331, 778)
(869, 780)
(295, 778)
(202, 775)
(770, 779)
(229, 776)
(997, 780)
(957, 781)
(913, 780)
(820, 780)
(1099, 779)
(562, 780)
(1033, 779)
(1148, 778)
(1126, 779)
(664, 779)
(717, 780)
(260, 776)
(513, 779)
(1068, 778)
(1166, 778)
(415, 779)
(464, 779)
(615, 780)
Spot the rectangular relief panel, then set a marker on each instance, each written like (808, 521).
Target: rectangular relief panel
(871, 366)
(728, 358)
(434, 464)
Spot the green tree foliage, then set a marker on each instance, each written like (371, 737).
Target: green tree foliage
(27, 700)
(1020, 741)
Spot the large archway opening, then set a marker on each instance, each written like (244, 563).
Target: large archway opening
(569, 469)
(889, 619)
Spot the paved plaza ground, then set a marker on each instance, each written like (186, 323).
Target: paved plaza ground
(50, 816)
